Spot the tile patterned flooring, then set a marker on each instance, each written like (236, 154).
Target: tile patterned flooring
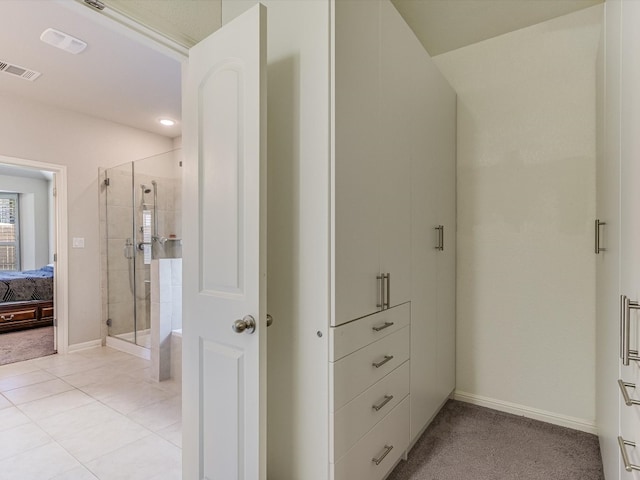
(93, 414)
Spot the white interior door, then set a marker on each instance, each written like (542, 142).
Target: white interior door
(224, 371)
(53, 223)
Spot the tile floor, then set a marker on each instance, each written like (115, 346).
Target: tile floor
(93, 414)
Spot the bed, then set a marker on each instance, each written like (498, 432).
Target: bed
(26, 299)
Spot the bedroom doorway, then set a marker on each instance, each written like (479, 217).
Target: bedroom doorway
(33, 290)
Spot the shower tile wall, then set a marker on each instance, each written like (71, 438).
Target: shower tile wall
(169, 221)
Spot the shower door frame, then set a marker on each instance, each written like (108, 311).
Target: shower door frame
(61, 276)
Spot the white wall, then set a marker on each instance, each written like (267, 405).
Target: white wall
(34, 218)
(39, 132)
(526, 205)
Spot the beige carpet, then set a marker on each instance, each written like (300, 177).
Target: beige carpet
(466, 442)
(26, 344)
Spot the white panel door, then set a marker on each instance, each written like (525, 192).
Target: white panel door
(224, 368)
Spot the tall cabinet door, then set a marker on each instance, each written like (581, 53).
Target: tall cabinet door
(608, 259)
(356, 171)
(445, 160)
(399, 89)
(630, 211)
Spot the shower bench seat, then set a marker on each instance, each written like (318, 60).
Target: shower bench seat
(28, 314)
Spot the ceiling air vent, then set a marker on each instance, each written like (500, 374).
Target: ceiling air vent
(19, 71)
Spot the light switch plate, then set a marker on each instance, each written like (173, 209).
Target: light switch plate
(78, 242)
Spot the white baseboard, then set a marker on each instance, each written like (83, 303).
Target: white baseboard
(528, 412)
(130, 348)
(76, 347)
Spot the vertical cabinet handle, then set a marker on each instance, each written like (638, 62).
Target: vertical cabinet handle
(622, 443)
(440, 245)
(387, 303)
(384, 291)
(626, 354)
(598, 224)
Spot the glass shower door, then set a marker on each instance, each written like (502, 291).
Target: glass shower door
(121, 253)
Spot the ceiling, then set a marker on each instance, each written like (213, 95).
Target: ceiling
(125, 80)
(116, 78)
(445, 25)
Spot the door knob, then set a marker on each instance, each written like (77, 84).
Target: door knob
(248, 324)
(269, 320)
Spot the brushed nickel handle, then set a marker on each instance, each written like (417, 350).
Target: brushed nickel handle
(440, 229)
(387, 399)
(378, 460)
(379, 328)
(622, 326)
(388, 277)
(387, 358)
(627, 353)
(247, 324)
(598, 224)
(622, 443)
(380, 303)
(628, 401)
(269, 320)
(7, 319)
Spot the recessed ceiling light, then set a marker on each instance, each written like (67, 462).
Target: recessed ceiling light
(167, 122)
(63, 41)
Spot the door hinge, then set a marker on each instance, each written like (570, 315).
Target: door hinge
(55, 191)
(106, 182)
(55, 322)
(55, 257)
(97, 4)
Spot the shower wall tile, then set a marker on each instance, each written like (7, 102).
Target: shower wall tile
(121, 315)
(119, 288)
(119, 222)
(116, 255)
(119, 190)
(176, 271)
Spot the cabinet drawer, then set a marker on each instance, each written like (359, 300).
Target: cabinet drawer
(392, 431)
(358, 416)
(352, 336)
(354, 373)
(47, 312)
(16, 315)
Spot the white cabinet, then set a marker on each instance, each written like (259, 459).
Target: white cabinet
(618, 263)
(372, 198)
(357, 183)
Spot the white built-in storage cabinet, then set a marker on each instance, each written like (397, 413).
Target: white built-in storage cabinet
(361, 173)
(618, 239)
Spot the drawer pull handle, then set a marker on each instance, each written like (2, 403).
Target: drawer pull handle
(387, 399)
(382, 362)
(4, 318)
(378, 460)
(628, 466)
(382, 327)
(628, 401)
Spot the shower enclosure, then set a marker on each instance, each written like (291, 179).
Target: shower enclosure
(141, 205)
